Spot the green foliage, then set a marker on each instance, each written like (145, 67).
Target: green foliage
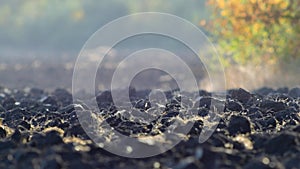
(256, 31)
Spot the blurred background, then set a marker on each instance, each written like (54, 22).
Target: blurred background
(258, 41)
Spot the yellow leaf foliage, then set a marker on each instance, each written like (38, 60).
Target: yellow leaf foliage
(256, 30)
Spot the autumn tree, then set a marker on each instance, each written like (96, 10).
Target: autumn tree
(255, 31)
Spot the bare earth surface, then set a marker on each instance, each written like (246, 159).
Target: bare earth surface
(41, 130)
(39, 127)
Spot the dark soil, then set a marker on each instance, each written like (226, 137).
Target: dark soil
(259, 130)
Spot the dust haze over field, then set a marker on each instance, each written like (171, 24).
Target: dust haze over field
(51, 70)
(40, 43)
